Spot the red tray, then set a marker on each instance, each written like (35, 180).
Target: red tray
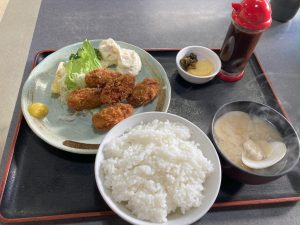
(61, 185)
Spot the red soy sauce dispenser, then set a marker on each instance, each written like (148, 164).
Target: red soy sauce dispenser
(248, 21)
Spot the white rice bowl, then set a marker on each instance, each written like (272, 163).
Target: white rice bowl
(152, 201)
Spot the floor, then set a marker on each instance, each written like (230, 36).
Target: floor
(12, 45)
(3, 4)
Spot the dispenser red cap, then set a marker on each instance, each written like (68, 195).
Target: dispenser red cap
(252, 14)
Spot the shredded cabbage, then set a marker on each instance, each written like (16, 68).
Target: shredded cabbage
(85, 60)
(75, 80)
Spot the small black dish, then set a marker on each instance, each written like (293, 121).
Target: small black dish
(290, 138)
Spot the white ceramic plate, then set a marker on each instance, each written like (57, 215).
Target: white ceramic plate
(79, 136)
(211, 185)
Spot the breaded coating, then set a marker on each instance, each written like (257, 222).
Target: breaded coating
(85, 98)
(110, 116)
(99, 77)
(117, 89)
(144, 92)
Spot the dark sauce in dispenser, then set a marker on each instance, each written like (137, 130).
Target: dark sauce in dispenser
(237, 48)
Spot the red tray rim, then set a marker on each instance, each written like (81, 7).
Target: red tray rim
(111, 213)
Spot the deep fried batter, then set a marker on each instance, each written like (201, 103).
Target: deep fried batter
(99, 77)
(144, 92)
(117, 89)
(110, 116)
(85, 98)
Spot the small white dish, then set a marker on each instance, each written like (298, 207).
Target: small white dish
(211, 185)
(202, 53)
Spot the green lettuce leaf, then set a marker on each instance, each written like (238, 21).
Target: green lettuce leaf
(85, 60)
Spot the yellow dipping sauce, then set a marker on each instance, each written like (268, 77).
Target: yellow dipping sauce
(38, 110)
(202, 68)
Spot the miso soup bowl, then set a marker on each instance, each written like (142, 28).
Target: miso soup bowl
(290, 138)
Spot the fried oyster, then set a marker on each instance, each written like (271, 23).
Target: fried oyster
(110, 116)
(117, 89)
(85, 98)
(100, 77)
(144, 92)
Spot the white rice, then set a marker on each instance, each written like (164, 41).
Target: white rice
(155, 169)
